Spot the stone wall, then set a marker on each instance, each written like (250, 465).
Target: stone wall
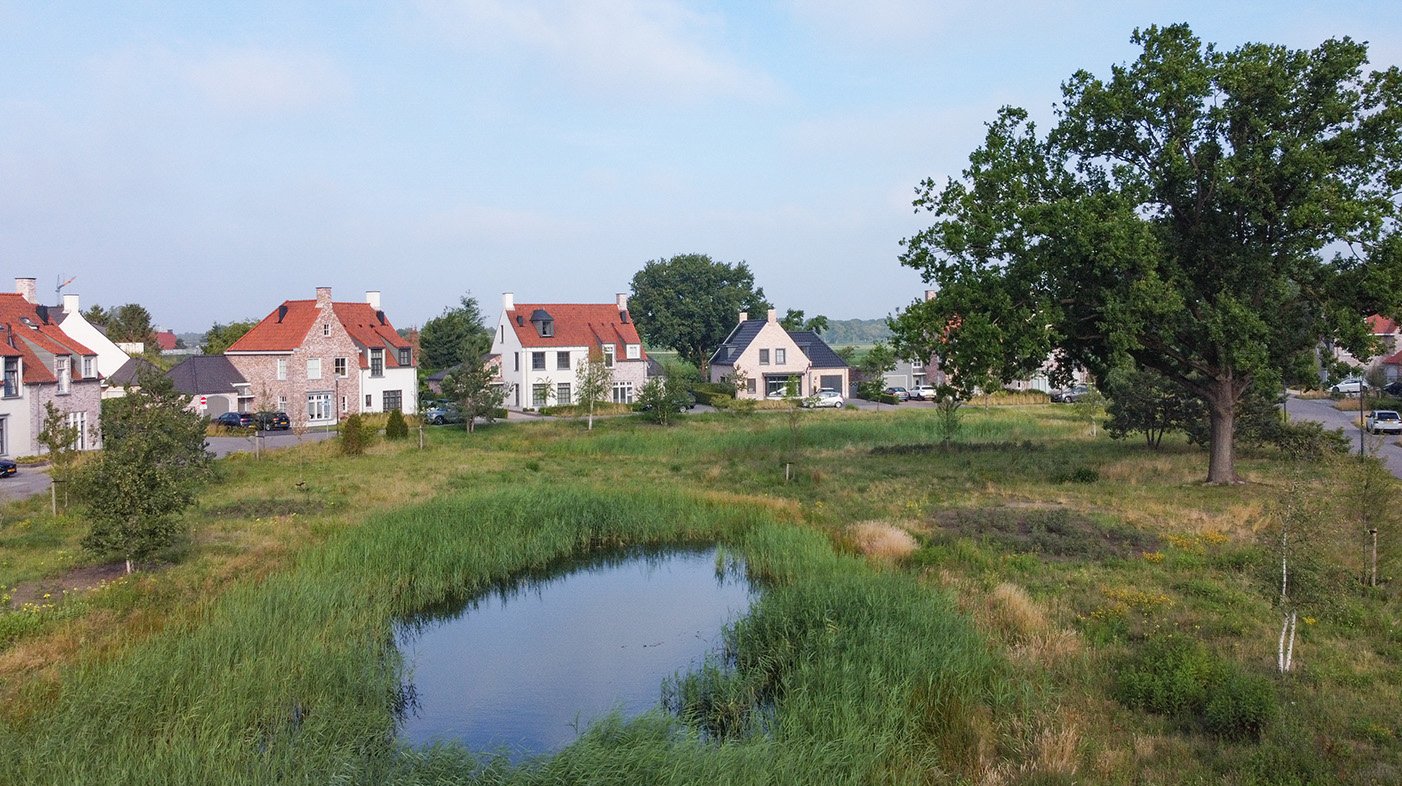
(261, 371)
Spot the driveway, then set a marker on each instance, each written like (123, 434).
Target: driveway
(272, 440)
(1322, 411)
(25, 483)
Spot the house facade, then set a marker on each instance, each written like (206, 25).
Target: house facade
(41, 365)
(319, 361)
(110, 357)
(767, 356)
(540, 345)
(213, 384)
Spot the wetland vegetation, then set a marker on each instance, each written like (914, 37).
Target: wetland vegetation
(1062, 609)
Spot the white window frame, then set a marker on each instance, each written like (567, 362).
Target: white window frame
(78, 420)
(781, 356)
(377, 361)
(634, 351)
(89, 363)
(623, 392)
(562, 394)
(319, 406)
(562, 361)
(63, 371)
(281, 369)
(282, 403)
(313, 368)
(608, 355)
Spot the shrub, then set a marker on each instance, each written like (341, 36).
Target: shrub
(1239, 706)
(1176, 676)
(396, 427)
(710, 393)
(353, 436)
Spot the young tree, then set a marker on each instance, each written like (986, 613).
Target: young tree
(474, 389)
(152, 463)
(1144, 402)
(1175, 217)
(690, 303)
(873, 367)
(663, 397)
(593, 380)
(454, 337)
(59, 439)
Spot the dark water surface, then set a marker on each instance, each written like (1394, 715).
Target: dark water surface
(525, 670)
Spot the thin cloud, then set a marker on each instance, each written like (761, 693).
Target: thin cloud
(257, 81)
(627, 48)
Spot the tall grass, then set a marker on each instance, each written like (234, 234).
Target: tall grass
(295, 679)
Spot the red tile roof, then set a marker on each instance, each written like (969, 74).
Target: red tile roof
(166, 340)
(25, 330)
(576, 325)
(1381, 325)
(285, 334)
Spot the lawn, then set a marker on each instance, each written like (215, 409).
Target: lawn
(1031, 603)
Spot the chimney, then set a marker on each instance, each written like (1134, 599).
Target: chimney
(323, 297)
(508, 301)
(929, 295)
(70, 304)
(773, 315)
(744, 316)
(622, 299)
(372, 296)
(25, 287)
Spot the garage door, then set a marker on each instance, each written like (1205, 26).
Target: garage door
(831, 381)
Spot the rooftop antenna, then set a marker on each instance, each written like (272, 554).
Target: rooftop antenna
(58, 290)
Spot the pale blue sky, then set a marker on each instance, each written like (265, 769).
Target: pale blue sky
(209, 160)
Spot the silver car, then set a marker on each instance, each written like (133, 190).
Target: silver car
(1383, 421)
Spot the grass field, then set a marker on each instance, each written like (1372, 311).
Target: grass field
(1029, 604)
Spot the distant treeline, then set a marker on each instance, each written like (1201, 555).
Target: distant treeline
(856, 331)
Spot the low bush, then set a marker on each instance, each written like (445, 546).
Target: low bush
(395, 426)
(1176, 676)
(354, 436)
(710, 392)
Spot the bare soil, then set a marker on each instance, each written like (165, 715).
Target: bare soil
(75, 580)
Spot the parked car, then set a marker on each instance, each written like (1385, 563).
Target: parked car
(234, 420)
(924, 393)
(1349, 386)
(1393, 389)
(8, 468)
(1383, 421)
(687, 400)
(272, 421)
(898, 392)
(438, 414)
(827, 397)
(1070, 395)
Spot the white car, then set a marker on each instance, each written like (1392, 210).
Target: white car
(1384, 421)
(924, 393)
(1350, 386)
(827, 397)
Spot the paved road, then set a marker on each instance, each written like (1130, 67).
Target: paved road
(1322, 411)
(25, 484)
(272, 440)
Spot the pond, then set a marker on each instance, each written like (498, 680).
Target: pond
(525, 669)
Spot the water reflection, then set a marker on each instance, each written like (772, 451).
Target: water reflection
(524, 669)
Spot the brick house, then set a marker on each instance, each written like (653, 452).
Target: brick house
(539, 345)
(42, 365)
(319, 361)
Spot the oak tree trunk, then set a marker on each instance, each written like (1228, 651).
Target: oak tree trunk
(1221, 413)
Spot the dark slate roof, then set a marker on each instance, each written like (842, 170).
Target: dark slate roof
(655, 369)
(202, 374)
(817, 350)
(736, 342)
(129, 374)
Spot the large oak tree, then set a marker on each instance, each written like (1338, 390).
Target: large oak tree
(690, 303)
(1207, 214)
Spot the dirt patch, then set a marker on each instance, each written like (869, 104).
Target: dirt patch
(75, 580)
(1054, 532)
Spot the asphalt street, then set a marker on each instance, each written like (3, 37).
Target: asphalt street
(1322, 411)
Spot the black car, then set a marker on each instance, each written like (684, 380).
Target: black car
(234, 420)
(272, 421)
(1393, 389)
(8, 468)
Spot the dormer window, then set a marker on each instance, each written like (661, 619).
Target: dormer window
(634, 351)
(544, 323)
(12, 378)
(547, 328)
(377, 362)
(62, 372)
(88, 371)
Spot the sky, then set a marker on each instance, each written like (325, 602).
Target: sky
(209, 160)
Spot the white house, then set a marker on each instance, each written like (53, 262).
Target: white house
(110, 357)
(541, 344)
(767, 356)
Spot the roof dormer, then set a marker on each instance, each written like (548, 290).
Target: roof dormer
(544, 323)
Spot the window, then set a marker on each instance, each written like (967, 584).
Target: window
(282, 403)
(778, 385)
(608, 356)
(501, 332)
(339, 367)
(344, 407)
(623, 392)
(319, 406)
(539, 394)
(313, 368)
(89, 370)
(282, 368)
(61, 370)
(404, 357)
(917, 364)
(377, 362)
(392, 400)
(764, 357)
(368, 399)
(11, 377)
(749, 386)
(634, 351)
(562, 394)
(779, 355)
(538, 361)
(326, 328)
(562, 361)
(547, 328)
(515, 361)
(4, 426)
(79, 421)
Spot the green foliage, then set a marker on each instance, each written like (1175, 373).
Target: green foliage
(872, 370)
(454, 337)
(396, 427)
(474, 388)
(130, 322)
(58, 439)
(1176, 218)
(690, 303)
(1143, 401)
(152, 463)
(711, 392)
(221, 336)
(947, 416)
(794, 319)
(1176, 676)
(354, 435)
(593, 383)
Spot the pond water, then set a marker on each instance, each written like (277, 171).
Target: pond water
(525, 669)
